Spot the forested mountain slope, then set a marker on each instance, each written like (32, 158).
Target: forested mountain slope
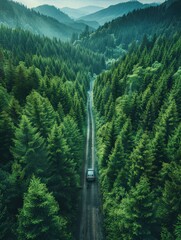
(43, 86)
(138, 106)
(43, 97)
(15, 15)
(53, 12)
(57, 14)
(114, 11)
(111, 38)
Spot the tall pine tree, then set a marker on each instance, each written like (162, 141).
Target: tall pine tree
(39, 218)
(29, 151)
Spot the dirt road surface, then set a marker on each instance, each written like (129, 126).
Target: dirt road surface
(91, 219)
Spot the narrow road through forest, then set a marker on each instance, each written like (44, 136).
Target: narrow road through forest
(91, 223)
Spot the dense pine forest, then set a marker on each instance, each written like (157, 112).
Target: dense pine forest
(43, 93)
(137, 106)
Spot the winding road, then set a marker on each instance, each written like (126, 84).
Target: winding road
(91, 220)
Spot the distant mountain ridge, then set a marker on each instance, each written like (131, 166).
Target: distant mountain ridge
(15, 15)
(114, 37)
(76, 13)
(115, 11)
(53, 12)
(62, 17)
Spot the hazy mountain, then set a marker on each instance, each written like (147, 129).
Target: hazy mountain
(116, 36)
(53, 12)
(92, 24)
(114, 11)
(15, 15)
(80, 12)
(90, 9)
(60, 16)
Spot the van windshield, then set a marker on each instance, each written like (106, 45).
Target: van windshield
(90, 173)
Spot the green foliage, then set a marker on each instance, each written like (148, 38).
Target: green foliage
(43, 95)
(42, 53)
(134, 217)
(3, 219)
(4, 99)
(116, 163)
(139, 142)
(64, 185)
(25, 81)
(166, 235)
(29, 151)
(39, 218)
(6, 135)
(171, 204)
(173, 147)
(10, 193)
(135, 26)
(178, 228)
(72, 135)
(40, 112)
(141, 161)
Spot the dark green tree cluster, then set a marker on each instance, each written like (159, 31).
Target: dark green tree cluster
(52, 57)
(138, 105)
(43, 86)
(48, 224)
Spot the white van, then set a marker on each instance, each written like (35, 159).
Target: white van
(90, 175)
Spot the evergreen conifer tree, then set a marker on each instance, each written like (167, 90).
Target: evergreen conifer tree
(40, 112)
(4, 224)
(178, 228)
(29, 151)
(63, 177)
(116, 164)
(141, 161)
(136, 213)
(74, 140)
(6, 135)
(39, 217)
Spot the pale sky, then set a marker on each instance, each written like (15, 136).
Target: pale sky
(77, 3)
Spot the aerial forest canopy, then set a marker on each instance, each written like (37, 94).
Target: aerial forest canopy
(137, 106)
(43, 93)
